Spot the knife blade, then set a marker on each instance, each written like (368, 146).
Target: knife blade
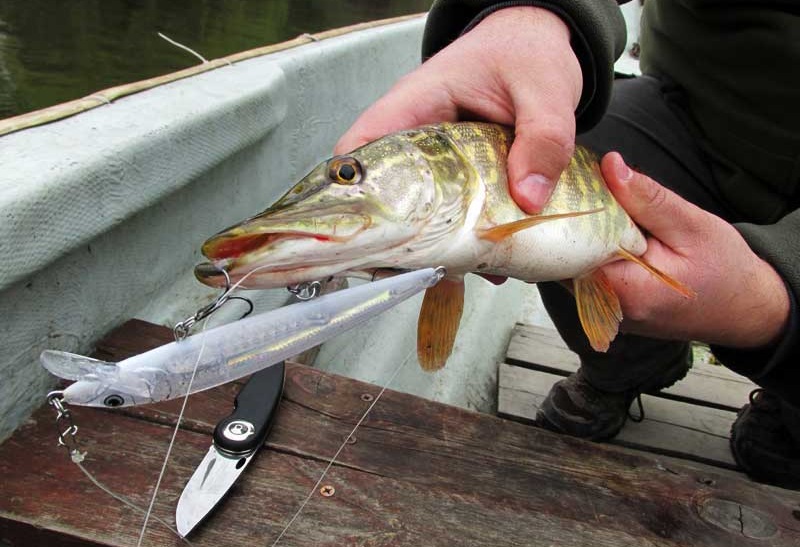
(237, 438)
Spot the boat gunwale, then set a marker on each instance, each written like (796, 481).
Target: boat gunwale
(107, 96)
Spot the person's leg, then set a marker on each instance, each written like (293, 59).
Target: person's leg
(643, 125)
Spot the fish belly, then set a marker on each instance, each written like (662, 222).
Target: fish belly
(562, 249)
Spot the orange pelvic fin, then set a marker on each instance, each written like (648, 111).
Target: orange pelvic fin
(598, 309)
(673, 284)
(438, 322)
(499, 233)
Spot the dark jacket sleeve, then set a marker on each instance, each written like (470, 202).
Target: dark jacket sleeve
(776, 368)
(598, 38)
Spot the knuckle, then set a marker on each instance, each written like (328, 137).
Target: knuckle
(552, 133)
(656, 197)
(639, 314)
(561, 142)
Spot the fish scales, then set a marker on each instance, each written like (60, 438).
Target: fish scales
(487, 149)
(580, 188)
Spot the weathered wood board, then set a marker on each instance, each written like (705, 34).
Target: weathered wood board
(714, 386)
(419, 473)
(669, 427)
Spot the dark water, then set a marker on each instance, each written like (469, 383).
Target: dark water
(53, 51)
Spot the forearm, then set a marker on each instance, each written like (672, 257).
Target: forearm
(776, 365)
(597, 38)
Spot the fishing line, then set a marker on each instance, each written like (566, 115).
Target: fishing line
(126, 501)
(185, 48)
(183, 408)
(341, 447)
(172, 440)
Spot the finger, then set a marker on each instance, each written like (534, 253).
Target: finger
(541, 150)
(663, 213)
(401, 108)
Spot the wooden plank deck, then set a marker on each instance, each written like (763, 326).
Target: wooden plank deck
(543, 349)
(690, 420)
(419, 473)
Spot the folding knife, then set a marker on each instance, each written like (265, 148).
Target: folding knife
(237, 438)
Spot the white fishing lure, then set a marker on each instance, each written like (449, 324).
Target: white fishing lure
(231, 351)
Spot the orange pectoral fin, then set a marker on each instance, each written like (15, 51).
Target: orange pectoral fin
(598, 309)
(438, 323)
(499, 233)
(673, 284)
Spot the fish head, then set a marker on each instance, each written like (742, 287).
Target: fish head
(351, 212)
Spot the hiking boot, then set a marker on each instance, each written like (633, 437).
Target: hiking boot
(765, 440)
(575, 407)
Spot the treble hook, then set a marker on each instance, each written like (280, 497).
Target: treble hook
(306, 291)
(181, 329)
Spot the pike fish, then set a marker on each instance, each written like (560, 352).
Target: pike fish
(436, 195)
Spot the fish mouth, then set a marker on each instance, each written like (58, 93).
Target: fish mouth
(234, 244)
(279, 252)
(222, 275)
(270, 231)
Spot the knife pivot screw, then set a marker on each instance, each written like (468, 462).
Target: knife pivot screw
(327, 490)
(366, 397)
(239, 430)
(350, 439)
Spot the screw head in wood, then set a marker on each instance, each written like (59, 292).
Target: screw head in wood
(366, 397)
(327, 490)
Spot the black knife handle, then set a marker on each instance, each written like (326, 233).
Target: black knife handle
(254, 408)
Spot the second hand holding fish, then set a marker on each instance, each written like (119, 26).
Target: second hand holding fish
(741, 301)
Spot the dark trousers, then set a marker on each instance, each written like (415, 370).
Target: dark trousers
(647, 125)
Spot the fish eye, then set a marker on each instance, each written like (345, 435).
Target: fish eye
(345, 170)
(113, 400)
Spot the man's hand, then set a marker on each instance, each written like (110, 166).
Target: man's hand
(516, 67)
(741, 301)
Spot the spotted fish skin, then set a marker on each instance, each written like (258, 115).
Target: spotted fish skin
(556, 250)
(426, 197)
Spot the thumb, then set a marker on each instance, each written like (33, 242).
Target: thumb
(541, 150)
(399, 109)
(663, 213)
